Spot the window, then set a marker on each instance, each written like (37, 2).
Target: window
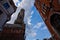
(44, 8)
(1, 12)
(6, 5)
(55, 22)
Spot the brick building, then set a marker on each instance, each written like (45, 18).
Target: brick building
(50, 13)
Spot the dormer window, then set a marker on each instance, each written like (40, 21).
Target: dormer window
(6, 5)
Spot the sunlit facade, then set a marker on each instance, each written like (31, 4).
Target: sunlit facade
(50, 12)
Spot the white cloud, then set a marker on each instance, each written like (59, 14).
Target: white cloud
(14, 17)
(33, 34)
(32, 12)
(50, 36)
(15, 1)
(29, 19)
(25, 4)
(38, 25)
(44, 28)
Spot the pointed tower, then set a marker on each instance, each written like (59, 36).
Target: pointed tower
(50, 13)
(14, 31)
(20, 17)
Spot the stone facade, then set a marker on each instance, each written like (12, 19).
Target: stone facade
(7, 8)
(20, 17)
(14, 31)
(50, 13)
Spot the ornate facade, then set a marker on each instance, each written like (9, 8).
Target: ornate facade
(50, 12)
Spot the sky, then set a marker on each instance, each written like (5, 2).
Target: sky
(35, 26)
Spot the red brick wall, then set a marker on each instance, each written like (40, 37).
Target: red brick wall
(46, 8)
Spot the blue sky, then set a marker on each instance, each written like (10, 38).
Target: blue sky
(42, 31)
(35, 26)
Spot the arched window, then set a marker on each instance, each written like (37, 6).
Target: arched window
(55, 22)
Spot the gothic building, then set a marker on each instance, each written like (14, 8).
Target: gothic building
(14, 31)
(50, 12)
(7, 8)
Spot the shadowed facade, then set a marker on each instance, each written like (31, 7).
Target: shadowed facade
(14, 31)
(7, 8)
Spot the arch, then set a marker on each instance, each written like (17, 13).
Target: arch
(55, 22)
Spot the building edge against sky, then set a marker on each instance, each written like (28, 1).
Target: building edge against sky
(50, 12)
(14, 31)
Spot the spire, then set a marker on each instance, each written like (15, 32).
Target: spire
(20, 17)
